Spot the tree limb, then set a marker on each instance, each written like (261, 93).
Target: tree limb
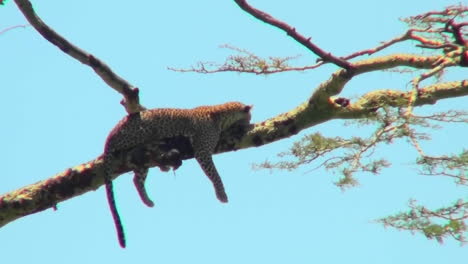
(267, 18)
(321, 107)
(130, 92)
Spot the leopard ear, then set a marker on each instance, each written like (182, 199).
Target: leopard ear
(247, 108)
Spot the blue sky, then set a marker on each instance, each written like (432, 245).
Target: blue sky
(58, 112)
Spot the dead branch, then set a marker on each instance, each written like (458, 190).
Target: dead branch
(291, 31)
(130, 92)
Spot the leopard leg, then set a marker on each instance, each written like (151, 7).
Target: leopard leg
(206, 163)
(139, 181)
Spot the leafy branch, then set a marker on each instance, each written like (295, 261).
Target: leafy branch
(454, 166)
(353, 155)
(434, 224)
(246, 62)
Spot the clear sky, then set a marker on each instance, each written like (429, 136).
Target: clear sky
(56, 113)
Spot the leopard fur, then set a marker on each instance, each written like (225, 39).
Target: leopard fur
(202, 125)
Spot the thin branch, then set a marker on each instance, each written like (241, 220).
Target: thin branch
(456, 28)
(452, 10)
(246, 62)
(130, 92)
(451, 116)
(410, 34)
(267, 18)
(203, 67)
(382, 46)
(441, 46)
(13, 27)
(438, 224)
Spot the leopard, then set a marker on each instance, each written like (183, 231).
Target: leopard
(202, 125)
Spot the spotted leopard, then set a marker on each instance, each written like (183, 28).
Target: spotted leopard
(201, 125)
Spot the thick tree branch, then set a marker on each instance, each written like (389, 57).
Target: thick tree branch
(267, 18)
(321, 107)
(89, 176)
(340, 78)
(307, 115)
(428, 95)
(130, 92)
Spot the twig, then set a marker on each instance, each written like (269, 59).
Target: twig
(382, 46)
(13, 27)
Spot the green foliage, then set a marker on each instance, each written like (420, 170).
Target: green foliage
(347, 161)
(439, 224)
(246, 62)
(351, 156)
(455, 166)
